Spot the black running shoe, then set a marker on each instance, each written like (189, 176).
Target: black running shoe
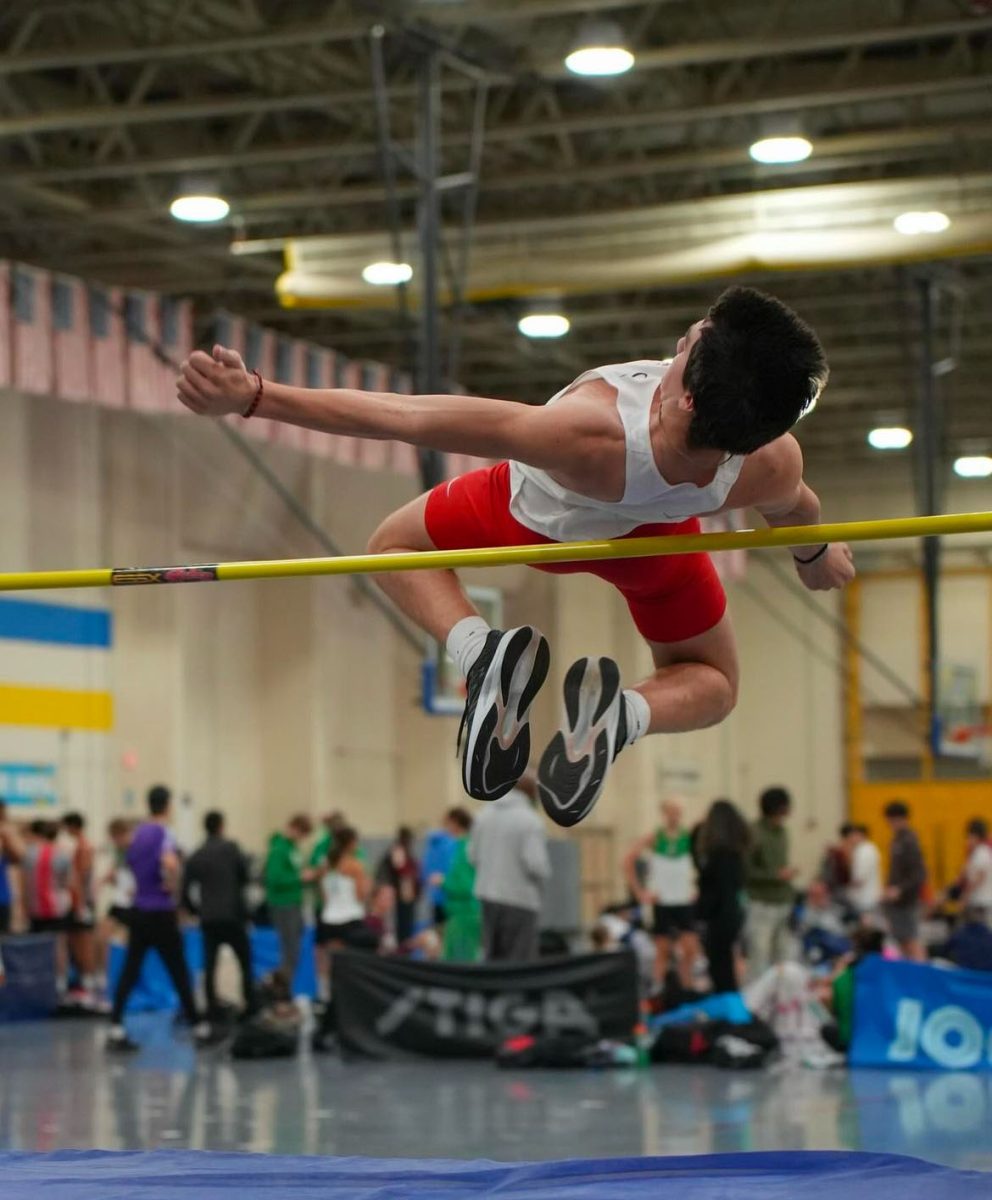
(502, 684)
(593, 731)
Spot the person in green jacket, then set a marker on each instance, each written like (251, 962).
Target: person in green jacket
(285, 877)
(769, 884)
(463, 927)
(866, 941)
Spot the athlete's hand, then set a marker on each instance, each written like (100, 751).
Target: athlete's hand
(216, 384)
(835, 569)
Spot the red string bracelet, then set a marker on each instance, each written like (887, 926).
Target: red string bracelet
(250, 410)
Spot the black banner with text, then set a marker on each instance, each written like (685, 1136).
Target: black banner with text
(387, 1007)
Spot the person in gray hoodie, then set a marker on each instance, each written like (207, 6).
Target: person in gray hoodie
(509, 850)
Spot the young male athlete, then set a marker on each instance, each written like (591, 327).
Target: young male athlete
(633, 450)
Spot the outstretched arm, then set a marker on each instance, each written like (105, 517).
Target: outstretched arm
(790, 501)
(218, 384)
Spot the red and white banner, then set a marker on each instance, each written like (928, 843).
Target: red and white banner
(31, 330)
(108, 347)
(174, 320)
(71, 338)
(61, 336)
(143, 368)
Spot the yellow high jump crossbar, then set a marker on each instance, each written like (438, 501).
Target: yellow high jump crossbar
(540, 555)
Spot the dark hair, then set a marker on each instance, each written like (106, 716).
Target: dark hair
(404, 835)
(461, 817)
(345, 839)
(755, 370)
(775, 802)
(897, 808)
(50, 830)
(74, 820)
(158, 799)
(38, 827)
(118, 827)
(301, 823)
(213, 822)
(866, 939)
(848, 828)
(978, 827)
(723, 829)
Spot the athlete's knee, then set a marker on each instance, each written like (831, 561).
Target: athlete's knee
(384, 538)
(725, 698)
(401, 530)
(392, 536)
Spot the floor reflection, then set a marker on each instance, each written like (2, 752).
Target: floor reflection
(61, 1090)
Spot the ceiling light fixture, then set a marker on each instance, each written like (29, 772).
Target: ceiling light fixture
(201, 209)
(781, 149)
(973, 466)
(599, 51)
(387, 274)
(890, 437)
(544, 325)
(914, 223)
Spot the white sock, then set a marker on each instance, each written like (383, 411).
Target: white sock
(638, 713)
(465, 641)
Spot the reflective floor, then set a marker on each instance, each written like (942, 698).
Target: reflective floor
(59, 1089)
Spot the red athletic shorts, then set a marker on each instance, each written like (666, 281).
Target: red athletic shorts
(670, 598)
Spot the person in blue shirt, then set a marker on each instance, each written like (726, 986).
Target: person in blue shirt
(439, 853)
(11, 852)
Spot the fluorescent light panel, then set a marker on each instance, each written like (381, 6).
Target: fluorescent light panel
(890, 437)
(781, 149)
(973, 466)
(544, 325)
(387, 274)
(199, 209)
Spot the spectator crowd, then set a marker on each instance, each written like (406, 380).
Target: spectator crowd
(711, 907)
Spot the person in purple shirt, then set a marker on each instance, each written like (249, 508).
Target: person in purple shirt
(154, 861)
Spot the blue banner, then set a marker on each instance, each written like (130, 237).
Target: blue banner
(918, 1016)
(27, 783)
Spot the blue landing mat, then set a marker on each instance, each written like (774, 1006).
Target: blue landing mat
(163, 1175)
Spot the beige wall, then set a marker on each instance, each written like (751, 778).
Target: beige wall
(267, 698)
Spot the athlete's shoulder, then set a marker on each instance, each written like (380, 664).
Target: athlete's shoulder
(778, 464)
(769, 474)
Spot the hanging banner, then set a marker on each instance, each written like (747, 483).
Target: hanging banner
(913, 1015)
(388, 1007)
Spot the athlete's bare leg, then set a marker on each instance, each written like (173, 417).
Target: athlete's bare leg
(695, 681)
(504, 669)
(434, 600)
(694, 685)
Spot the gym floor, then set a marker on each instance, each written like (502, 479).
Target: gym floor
(61, 1090)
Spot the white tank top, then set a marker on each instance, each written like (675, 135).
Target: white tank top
(341, 903)
(556, 512)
